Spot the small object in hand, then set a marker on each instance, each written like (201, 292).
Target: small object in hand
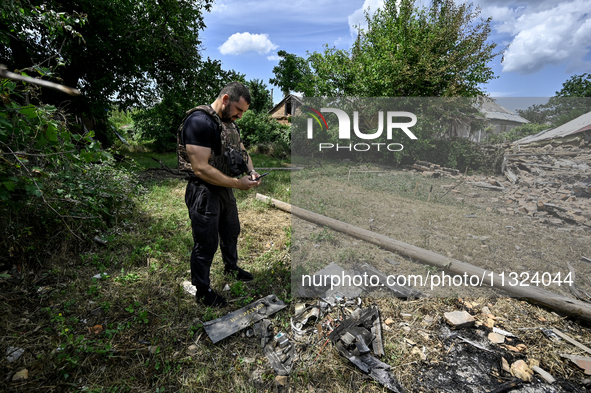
(263, 175)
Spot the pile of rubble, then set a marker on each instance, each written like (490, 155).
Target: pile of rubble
(552, 184)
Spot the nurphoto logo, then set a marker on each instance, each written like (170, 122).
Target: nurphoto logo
(392, 123)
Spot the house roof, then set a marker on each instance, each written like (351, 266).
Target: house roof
(580, 124)
(289, 96)
(494, 111)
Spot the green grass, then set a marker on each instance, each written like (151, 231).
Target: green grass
(143, 160)
(261, 160)
(147, 319)
(146, 259)
(148, 322)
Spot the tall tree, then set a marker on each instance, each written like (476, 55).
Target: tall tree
(131, 50)
(291, 74)
(54, 194)
(406, 50)
(160, 122)
(412, 51)
(260, 96)
(570, 102)
(576, 86)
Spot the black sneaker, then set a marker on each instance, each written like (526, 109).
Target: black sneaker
(210, 298)
(239, 274)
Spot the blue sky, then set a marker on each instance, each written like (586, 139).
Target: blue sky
(548, 40)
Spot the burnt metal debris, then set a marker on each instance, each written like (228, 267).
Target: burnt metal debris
(352, 339)
(281, 354)
(278, 349)
(220, 328)
(355, 331)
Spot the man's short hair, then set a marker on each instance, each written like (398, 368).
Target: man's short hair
(235, 90)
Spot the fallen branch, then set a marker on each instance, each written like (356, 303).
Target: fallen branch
(549, 299)
(166, 168)
(448, 191)
(486, 185)
(38, 155)
(10, 75)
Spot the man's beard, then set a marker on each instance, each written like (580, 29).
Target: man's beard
(226, 114)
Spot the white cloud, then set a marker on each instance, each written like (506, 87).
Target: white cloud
(219, 7)
(273, 58)
(357, 18)
(543, 33)
(244, 42)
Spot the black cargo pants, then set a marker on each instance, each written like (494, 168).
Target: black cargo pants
(214, 218)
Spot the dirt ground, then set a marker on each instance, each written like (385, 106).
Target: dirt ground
(472, 231)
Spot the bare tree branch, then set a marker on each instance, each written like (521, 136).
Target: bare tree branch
(11, 75)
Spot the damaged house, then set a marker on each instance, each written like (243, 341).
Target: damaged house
(287, 107)
(575, 132)
(497, 118)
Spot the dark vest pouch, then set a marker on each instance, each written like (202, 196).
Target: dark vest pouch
(236, 163)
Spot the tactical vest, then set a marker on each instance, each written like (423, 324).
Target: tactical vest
(230, 137)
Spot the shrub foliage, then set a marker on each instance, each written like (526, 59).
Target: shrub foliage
(57, 187)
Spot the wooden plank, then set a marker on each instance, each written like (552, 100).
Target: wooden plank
(570, 154)
(482, 184)
(538, 295)
(571, 340)
(555, 207)
(513, 178)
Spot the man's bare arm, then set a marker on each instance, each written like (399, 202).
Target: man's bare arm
(250, 164)
(199, 157)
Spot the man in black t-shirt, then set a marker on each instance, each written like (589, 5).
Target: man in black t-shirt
(207, 135)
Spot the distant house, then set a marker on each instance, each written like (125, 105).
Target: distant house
(286, 108)
(498, 120)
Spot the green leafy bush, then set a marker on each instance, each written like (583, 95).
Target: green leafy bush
(259, 128)
(462, 154)
(518, 133)
(57, 187)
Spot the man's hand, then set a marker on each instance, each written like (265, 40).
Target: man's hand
(254, 174)
(199, 157)
(246, 182)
